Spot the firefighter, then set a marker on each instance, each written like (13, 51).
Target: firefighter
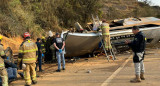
(43, 46)
(138, 47)
(28, 52)
(3, 72)
(106, 35)
(50, 50)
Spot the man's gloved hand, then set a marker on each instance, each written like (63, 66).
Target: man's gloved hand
(7, 58)
(60, 50)
(42, 55)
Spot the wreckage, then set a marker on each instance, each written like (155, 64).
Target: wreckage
(78, 44)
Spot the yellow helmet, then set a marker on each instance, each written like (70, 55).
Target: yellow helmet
(1, 37)
(43, 37)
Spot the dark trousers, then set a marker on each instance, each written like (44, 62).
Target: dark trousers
(39, 62)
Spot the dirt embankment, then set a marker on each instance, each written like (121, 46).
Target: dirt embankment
(13, 43)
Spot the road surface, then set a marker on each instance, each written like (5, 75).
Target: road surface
(102, 73)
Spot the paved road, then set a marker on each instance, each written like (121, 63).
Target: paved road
(76, 74)
(152, 74)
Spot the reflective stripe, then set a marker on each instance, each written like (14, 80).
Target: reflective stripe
(29, 59)
(19, 59)
(43, 50)
(105, 34)
(20, 51)
(5, 83)
(26, 51)
(34, 77)
(108, 46)
(27, 78)
(42, 44)
(2, 53)
(25, 75)
(28, 81)
(105, 27)
(1, 65)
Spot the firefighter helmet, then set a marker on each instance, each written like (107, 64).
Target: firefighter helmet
(26, 34)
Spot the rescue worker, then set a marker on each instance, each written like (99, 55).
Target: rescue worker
(138, 47)
(106, 35)
(39, 63)
(59, 44)
(28, 55)
(43, 47)
(3, 72)
(50, 51)
(43, 41)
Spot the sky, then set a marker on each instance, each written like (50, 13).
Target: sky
(155, 2)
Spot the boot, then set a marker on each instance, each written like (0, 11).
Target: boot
(142, 76)
(136, 80)
(34, 82)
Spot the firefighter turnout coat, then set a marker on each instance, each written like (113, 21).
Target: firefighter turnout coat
(28, 56)
(3, 72)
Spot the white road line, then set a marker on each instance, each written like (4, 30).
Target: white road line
(106, 82)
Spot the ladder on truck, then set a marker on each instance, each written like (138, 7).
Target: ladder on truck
(112, 54)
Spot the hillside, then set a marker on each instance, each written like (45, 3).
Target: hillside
(115, 9)
(119, 8)
(38, 16)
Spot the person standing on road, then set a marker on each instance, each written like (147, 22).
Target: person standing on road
(39, 55)
(28, 56)
(43, 47)
(50, 55)
(138, 47)
(3, 72)
(59, 44)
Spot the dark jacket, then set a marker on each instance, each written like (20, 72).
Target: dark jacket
(39, 48)
(138, 46)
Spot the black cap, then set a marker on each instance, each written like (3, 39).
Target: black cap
(57, 34)
(135, 28)
(38, 39)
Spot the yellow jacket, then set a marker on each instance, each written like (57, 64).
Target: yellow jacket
(28, 52)
(105, 29)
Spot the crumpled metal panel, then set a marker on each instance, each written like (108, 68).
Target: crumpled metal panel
(78, 44)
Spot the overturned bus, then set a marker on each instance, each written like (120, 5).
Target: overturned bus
(78, 44)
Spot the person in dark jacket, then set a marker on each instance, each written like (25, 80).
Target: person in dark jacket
(39, 55)
(50, 55)
(138, 47)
